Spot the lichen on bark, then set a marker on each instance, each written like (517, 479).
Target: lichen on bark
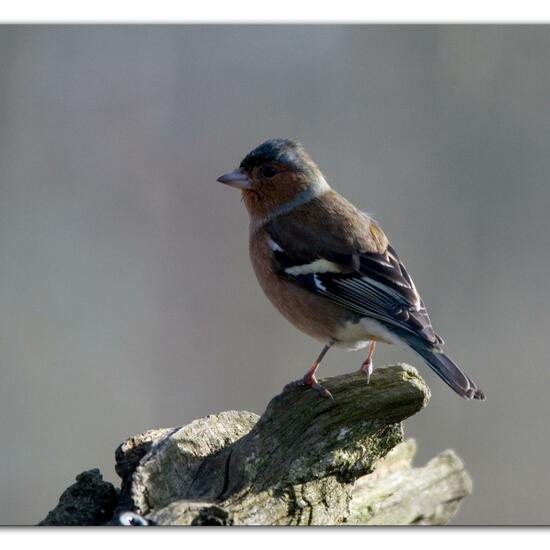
(305, 461)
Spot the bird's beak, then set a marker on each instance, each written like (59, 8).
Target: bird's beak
(237, 179)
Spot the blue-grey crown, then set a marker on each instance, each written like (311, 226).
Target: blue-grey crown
(285, 151)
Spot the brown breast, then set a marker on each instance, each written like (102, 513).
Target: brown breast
(311, 314)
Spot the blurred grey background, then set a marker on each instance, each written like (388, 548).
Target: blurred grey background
(127, 300)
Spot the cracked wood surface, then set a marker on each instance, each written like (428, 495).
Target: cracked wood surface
(297, 464)
(305, 461)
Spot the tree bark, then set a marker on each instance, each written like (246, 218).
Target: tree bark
(306, 461)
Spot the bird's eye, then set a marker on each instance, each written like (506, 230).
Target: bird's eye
(269, 171)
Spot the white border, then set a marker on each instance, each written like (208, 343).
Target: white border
(279, 11)
(322, 538)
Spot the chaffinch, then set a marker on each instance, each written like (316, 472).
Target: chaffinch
(328, 267)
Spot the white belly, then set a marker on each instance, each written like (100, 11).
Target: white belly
(354, 336)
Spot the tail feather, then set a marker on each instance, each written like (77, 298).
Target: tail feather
(442, 365)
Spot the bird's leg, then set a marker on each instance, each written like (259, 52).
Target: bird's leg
(366, 367)
(309, 378)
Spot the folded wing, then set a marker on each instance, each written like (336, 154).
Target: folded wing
(368, 280)
(372, 284)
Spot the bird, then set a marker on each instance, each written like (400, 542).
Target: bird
(329, 268)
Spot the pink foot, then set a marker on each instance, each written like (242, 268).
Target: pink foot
(366, 368)
(313, 383)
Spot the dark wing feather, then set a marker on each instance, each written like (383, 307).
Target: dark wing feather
(372, 284)
(301, 244)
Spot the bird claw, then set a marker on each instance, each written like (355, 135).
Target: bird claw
(366, 369)
(313, 384)
(322, 391)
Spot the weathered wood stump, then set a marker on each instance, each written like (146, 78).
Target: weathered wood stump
(305, 461)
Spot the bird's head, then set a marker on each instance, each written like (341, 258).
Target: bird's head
(272, 174)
